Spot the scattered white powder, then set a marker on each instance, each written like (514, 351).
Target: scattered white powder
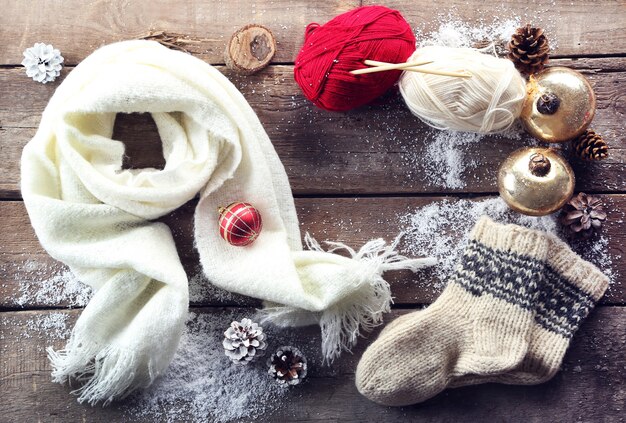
(441, 229)
(456, 33)
(49, 285)
(445, 162)
(448, 158)
(48, 326)
(597, 251)
(29, 333)
(202, 384)
(497, 24)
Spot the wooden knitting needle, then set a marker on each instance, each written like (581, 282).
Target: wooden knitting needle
(384, 66)
(409, 66)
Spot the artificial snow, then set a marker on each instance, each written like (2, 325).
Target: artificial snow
(203, 383)
(49, 326)
(47, 285)
(456, 33)
(441, 229)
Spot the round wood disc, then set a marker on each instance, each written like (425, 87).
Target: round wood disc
(250, 49)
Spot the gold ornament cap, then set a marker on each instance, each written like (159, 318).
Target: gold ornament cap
(559, 105)
(536, 181)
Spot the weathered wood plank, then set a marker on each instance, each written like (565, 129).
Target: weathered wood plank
(25, 267)
(589, 388)
(561, 20)
(77, 27)
(328, 153)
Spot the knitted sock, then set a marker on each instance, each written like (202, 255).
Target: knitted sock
(569, 292)
(479, 325)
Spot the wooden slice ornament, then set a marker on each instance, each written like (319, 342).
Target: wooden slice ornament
(250, 49)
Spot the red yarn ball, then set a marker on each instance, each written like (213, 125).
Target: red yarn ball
(332, 50)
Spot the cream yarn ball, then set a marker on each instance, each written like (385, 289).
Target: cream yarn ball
(489, 101)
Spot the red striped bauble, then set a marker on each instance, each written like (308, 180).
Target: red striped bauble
(240, 223)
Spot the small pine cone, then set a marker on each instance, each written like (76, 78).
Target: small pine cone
(244, 341)
(590, 146)
(529, 49)
(43, 62)
(583, 215)
(288, 366)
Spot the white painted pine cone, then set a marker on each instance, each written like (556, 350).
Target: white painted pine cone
(244, 341)
(42, 62)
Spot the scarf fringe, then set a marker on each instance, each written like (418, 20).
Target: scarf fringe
(342, 323)
(106, 374)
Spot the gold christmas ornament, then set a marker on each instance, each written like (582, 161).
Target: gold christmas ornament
(535, 181)
(559, 105)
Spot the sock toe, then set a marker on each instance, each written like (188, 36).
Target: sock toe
(369, 378)
(395, 370)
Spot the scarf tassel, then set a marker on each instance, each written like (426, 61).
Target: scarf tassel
(104, 374)
(343, 322)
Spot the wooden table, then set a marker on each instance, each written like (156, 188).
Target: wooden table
(335, 177)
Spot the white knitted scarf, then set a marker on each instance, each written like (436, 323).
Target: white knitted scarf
(98, 218)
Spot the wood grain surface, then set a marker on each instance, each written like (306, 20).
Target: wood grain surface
(350, 220)
(589, 388)
(353, 174)
(327, 153)
(78, 27)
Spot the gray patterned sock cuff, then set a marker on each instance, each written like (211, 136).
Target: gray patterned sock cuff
(506, 261)
(571, 289)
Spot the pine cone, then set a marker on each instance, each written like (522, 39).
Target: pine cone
(43, 62)
(529, 49)
(244, 341)
(288, 366)
(590, 146)
(583, 214)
